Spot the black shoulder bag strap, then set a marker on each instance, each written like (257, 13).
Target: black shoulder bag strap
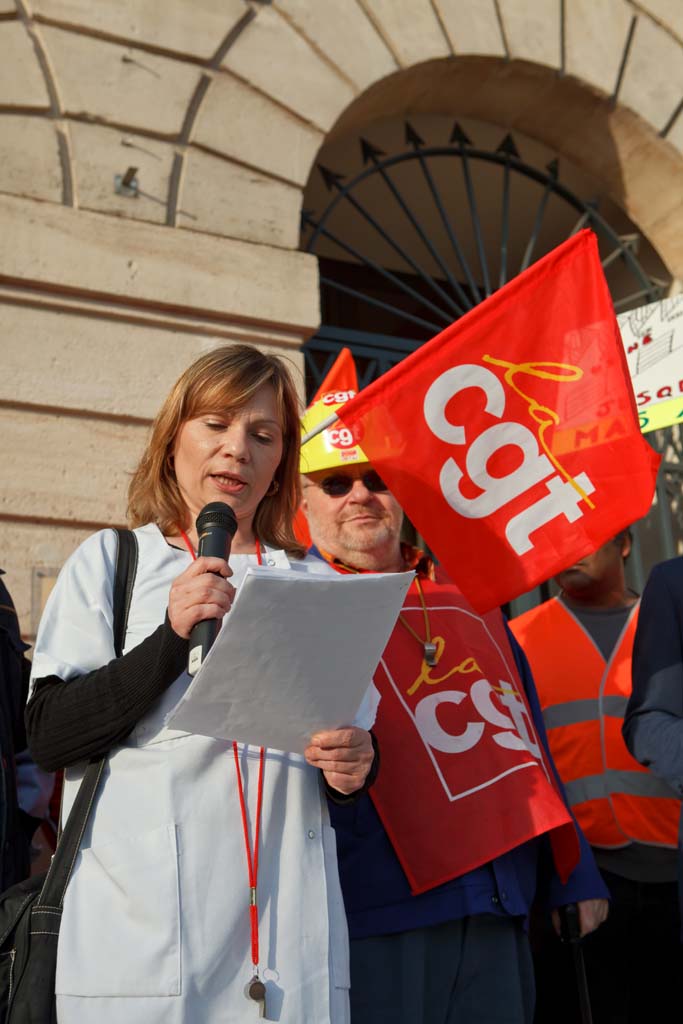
(52, 893)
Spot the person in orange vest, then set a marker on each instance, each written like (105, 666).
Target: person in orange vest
(579, 646)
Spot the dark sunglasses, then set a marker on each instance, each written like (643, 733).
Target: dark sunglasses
(340, 485)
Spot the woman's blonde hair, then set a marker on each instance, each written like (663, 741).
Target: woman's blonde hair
(224, 379)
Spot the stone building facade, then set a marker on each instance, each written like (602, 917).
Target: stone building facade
(155, 156)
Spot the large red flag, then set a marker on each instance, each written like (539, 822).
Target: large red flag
(341, 377)
(511, 439)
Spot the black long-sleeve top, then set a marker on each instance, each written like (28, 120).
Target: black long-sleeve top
(83, 718)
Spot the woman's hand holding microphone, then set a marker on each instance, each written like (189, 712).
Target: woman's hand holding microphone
(201, 592)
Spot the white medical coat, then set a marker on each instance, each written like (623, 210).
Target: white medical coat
(156, 925)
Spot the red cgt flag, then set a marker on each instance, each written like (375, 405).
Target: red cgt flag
(511, 439)
(342, 376)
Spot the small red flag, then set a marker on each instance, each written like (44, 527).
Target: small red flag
(342, 376)
(511, 439)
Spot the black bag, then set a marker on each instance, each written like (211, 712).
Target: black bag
(31, 912)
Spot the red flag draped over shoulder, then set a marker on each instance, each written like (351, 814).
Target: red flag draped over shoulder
(460, 739)
(511, 439)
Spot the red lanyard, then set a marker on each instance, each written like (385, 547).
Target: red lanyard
(252, 859)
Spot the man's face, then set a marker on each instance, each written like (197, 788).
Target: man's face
(354, 525)
(598, 573)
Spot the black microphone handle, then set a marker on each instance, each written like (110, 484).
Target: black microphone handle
(201, 641)
(216, 526)
(205, 632)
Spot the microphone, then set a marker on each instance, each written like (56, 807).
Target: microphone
(216, 526)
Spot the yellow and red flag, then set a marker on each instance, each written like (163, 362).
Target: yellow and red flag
(474, 433)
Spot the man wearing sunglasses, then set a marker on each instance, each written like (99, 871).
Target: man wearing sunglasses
(458, 950)
(352, 511)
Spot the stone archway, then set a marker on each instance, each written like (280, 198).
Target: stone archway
(640, 171)
(235, 103)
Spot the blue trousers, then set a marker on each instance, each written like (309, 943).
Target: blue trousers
(474, 971)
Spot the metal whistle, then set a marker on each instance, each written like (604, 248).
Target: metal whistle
(256, 991)
(430, 653)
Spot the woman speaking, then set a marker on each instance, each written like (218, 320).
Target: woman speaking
(156, 926)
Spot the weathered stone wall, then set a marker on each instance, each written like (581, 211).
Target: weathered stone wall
(222, 106)
(99, 317)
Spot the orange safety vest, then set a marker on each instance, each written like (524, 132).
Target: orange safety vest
(583, 699)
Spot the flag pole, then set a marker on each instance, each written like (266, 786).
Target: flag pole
(332, 418)
(571, 933)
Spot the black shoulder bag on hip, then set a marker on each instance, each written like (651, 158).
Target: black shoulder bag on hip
(31, 912)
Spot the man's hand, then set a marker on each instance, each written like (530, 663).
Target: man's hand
(591, 915)
(344, 756)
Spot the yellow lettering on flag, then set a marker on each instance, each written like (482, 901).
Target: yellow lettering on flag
(425, 676)
(541, 414)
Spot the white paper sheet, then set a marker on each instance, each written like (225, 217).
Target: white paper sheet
(296, 654)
